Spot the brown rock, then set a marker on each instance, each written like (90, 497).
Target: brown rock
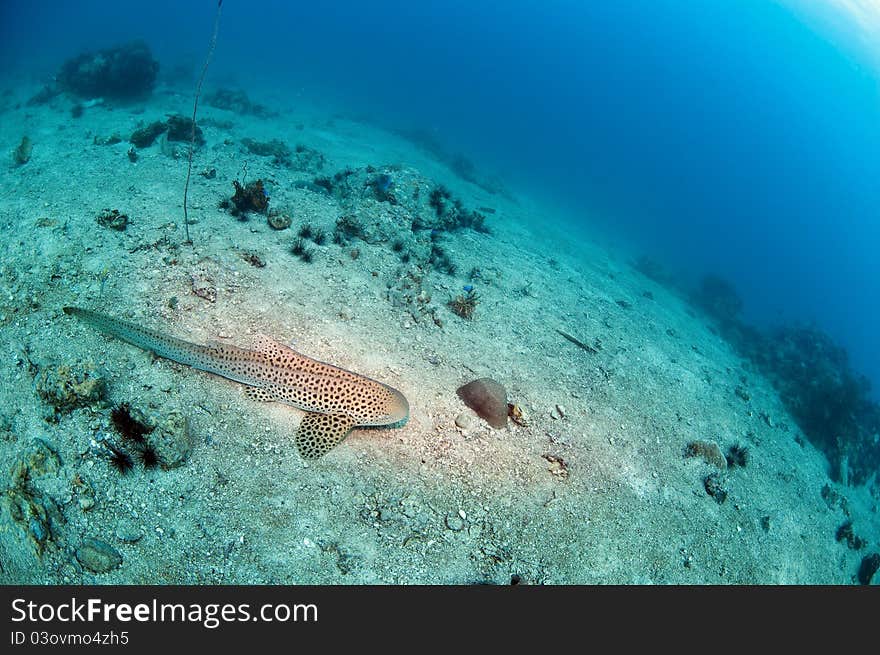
(709, 451)
(488, 399)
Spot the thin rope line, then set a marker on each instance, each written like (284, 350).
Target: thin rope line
(192, 139)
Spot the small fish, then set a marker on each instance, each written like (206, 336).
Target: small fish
(335, 400)
(468, 288)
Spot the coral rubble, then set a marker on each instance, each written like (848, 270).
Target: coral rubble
(113, 218)
(22, 153)
(124, 73)
(249, 198)
(464, 305)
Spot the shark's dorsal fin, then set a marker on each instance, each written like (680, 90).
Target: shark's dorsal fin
(320, 433)
(269, 346)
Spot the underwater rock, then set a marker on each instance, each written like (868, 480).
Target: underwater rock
(253, 258)
(454, 522)
(708, 451)
(835, 500)
(98, 556)
(65, 387)
(465, 420)
(34, 512)
(170, 439)
(307, 159)
(250, 198)
(653, 270)
(161, 440)
(145, 136)
(714, 485)
(39, 458)
(383, 185)
(22, 153)
(180, 128)
(113, 219)
(407, 289)
(322, 185)
(278, 150)
(407, 198)
(853, 541)
(488, 399)
(128, 533)
(830, 401)
(44, 95)
(446, 212)
(558, 466)
(868, 568)
(348, 227)
(236, 101)
(125, 72)
(111, 140)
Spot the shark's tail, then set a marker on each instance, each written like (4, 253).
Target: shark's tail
(163, 345)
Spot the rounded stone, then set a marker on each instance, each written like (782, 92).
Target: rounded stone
(454, 522)
(465, 421)
(488, 399)
(128, 533)
(98, 556)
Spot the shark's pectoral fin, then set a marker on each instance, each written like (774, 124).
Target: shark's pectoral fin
(260, 394)
(319, 433)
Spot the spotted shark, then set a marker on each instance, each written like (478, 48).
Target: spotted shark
(335, 400)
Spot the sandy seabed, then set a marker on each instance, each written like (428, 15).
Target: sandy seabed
(594, 488)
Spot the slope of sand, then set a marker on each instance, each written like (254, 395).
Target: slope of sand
(595, 489)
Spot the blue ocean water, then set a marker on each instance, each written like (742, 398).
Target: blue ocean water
(728, 150)
(735, 138)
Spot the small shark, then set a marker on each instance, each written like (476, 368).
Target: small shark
(335, 400)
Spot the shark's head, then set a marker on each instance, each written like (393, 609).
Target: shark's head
(398, 407)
